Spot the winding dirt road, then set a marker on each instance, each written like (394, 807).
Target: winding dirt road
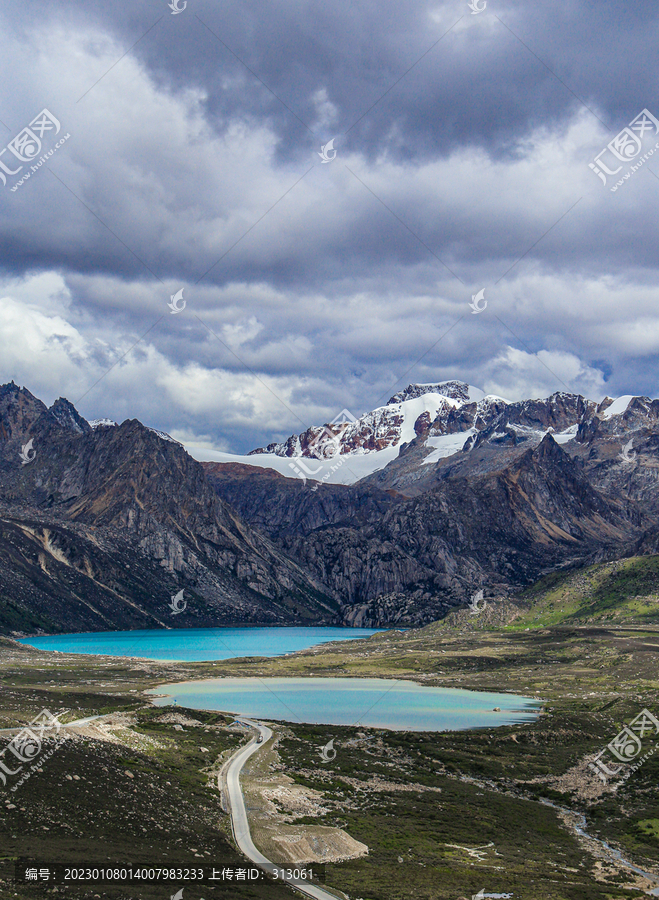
(239, 821)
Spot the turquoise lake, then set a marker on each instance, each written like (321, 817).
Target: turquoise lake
(372, 702)
(190, 644)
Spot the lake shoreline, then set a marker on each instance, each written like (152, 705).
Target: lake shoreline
(402, 704)
(199, 644)
(412, 679)
(20, 636)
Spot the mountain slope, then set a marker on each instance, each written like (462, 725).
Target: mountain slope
(101, 526)
(127, 492)
(620, 592)
(401, 559)
(400, 442)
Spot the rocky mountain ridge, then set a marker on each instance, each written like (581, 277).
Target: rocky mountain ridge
(404, 415)
(101, 525)
(486, 493)
(437, 419)
(82, 505)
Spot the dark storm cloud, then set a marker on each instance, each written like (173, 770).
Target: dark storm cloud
(187, 167)
(480, 87)
(486, 84)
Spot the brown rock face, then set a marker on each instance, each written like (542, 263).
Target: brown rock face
(124, 516)
(422, 424)
(397, 558)
(100, 527)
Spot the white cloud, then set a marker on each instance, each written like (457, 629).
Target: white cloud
(328, 283)
(518, 375)
(40, 350)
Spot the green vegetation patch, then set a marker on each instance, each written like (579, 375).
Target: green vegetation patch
(149, 804)
(625, 591)
(447, 815)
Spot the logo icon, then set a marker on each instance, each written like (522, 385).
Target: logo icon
(625, 146)
(475, 600)
(178, 604)
(475, 8)
(27, 143)
(626, 455)
(482, 894)
(475, 302)
(626, 746)
(174, 299)
(179, 894)
(327, 442)
(26, 745)
(26, 450)
(175, 10)
(299, 465)
(326, 150)
(328, 752)
(324, 445)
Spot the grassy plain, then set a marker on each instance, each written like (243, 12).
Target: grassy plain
(443, 815)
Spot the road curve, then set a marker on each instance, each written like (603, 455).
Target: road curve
(239, 821)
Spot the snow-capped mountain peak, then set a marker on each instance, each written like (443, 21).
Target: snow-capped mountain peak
(348, 448)
(110, 423)
(406, 415)
(440, 420)
(96, 423)
(454, 390)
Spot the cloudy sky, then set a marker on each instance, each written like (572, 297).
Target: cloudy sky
(460, 163)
